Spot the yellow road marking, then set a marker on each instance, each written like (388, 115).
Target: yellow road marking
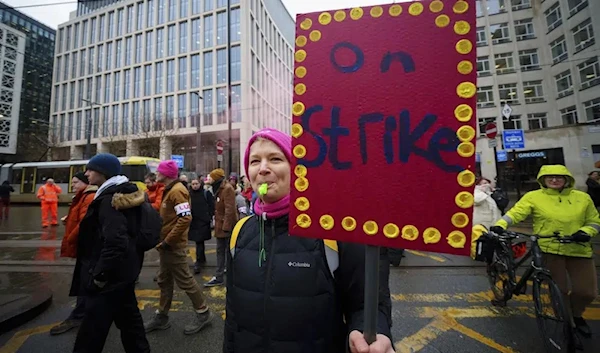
(477, 297)
(422, 338)
(433, 257)
(473, 312)
(476, 335)
(13, 345)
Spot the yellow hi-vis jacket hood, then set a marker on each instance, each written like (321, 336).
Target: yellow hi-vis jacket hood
(565, 211)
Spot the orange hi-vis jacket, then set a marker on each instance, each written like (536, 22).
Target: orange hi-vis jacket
(49, 193)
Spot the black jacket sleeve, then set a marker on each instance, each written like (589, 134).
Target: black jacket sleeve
(210, 200)
(350, 279)
(113, 231)
(230, 328)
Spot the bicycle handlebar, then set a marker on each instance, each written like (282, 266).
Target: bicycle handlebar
(507, 234)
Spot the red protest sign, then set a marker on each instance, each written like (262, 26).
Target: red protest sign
(384, 127)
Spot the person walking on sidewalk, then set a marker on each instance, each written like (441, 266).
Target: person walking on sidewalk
(48, 195)
(203, 209)
(176, 215)
(225, 219)
(5, 190)
(109, 260)
(84, 195)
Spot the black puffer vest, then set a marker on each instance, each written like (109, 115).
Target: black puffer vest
(288, 304)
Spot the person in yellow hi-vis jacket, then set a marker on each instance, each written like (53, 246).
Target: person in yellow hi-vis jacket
(558, 207)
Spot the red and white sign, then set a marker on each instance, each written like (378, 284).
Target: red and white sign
(220, 146)
(491, 130)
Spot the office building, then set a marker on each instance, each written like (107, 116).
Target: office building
(33, 105)
(143, 73)
(12, 45)
(541, 58)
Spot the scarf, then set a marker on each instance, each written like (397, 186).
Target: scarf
(272, 210)
(116, 180)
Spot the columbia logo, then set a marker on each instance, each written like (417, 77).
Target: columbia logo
(298, 264)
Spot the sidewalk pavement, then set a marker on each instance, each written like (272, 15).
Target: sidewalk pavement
(23, 298)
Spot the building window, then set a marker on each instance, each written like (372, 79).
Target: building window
(136, 117)
(107, 88)
(137, 79)
(159, 78)
(58, 68)
(208, 31)
(93, 31)
(138, 48)
(109, 56)
(195, 71)
(194, 108)
(583, 35)
(160, 43)
(524, 29)
(74, 66)
(126, 83)
(115, 120)
(479, 8)
(207, 110)
(504, 63)
(481, 38)
(128, 51)
(89, 88)
(70, 128)
(496, 6)
(78, 126)
(158, 114)
(499, 33)
(170, 75)
(183, 38)
(235, 25)
(592, 109)
(196, 31)
(102, 28)
(482, 123)
(236, 63)
(84, 33)
(485, 97)
(508, 93)
(83, 63)
(483, 66)
(76, 36)
(66, 70)
(221, 105)
(520, 4)
(208, 68)
(533, 92)
(512, 123)
(140, 16)
(120, 22)
(183, 73)
(111, 25)
(537, 121)
(569, 115)
(150, 12)
(72, 95)
(221, 28)
(148, 46)
(171, 40)
(96, 122)
(183, 8)
(221, 3)
(125, 119)
(172, 10)
(196, 7)
(553, 17)
(221, 66)
(129, 19)
(170, 111)
(236, 103)
(564, 84)
(559, 50)
(181, 110)
(105, 121)
(79, 93)
(589, 73)
(161, 11)
(576, 5)
(64, 97)
(208, 5)
(147, 80)
(118, 53)
(98, 85)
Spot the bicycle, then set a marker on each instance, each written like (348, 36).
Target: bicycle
(501, 269)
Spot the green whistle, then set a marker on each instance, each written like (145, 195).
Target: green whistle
(262, 189)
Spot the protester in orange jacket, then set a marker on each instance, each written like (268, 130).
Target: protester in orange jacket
(84, 195)
(48, 195)
(154, 190)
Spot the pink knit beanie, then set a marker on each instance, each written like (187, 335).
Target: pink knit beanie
(283, 141)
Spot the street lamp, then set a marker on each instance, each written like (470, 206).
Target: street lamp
(198, 137)
(88, 144)
(230, 157)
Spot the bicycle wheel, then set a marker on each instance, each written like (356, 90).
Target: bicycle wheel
(552, 316)
(500, 271)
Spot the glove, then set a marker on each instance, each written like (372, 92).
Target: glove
(581, 237)
(497, 229)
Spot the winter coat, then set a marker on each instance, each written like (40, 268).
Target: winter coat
(485, 210)
(176, 215)
(594, 191)
(566, 211)
(5, 190)
(155, 194)
(293, 303)
(226, 215)
(77, 210)
(203, 209)
(242, 205)
(107, 251)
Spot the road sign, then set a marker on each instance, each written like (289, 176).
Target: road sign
(491, 130)
(220, 146)
(220, 157)
(506, 111)
(501, 156)
(492, 143)
(513, 139)
(178, 159)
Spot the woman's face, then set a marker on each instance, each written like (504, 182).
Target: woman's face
(195, 184)
(556, 182)
(484, 182)
(269, 165)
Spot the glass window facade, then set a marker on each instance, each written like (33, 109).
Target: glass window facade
(182, 64)
(221, 66)
(170, 75)
(196, 35)
(236, 63)
(159, 79)
(208, 31)
(195, 74)
(208, 68)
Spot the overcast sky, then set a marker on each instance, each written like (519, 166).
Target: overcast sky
(53, 15)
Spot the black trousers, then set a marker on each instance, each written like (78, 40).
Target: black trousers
(200, 254)
(101, 310)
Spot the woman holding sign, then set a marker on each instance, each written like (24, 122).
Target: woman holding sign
(292, 294)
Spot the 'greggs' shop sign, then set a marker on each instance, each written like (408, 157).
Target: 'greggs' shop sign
(384, 127)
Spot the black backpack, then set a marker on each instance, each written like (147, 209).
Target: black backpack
(150, 225)
(501, 198)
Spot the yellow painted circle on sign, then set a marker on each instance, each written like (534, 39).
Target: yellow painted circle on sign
(300, 171)
(410, 232)
(466, 149)
(297, 130)
(457, 239)
(431, 236)
(306, 24)
(465, 67)
(391, 230)
(465, 133)
(315, 35)
(464, 199)
(302, 203)
(466, 178)
(301, 184)
(460, 220)
(436, 6)
(298, 108)
(466, 90)
(349, 223)
(464, 46)
(300, 55)
(460, 7)
(325, 18)
(376, 11)
(301, 41)
(442, 21)
(370, 228)
(326, 222)
(462, 27)
(300, 89)
(300, 71)
(415, 9)
(303, 220)
(463, 113)
(356, 13)
(299, 151)
(395, 10)
(339, 16)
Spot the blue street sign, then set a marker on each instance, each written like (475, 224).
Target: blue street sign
(501, 156)
(177, 159)
(513, 139)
